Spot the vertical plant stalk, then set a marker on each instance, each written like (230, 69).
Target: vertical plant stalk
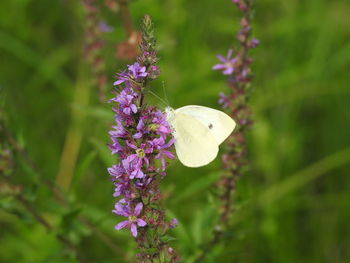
(141, 139)
(235, 103)
(92, 55)
(74, 135)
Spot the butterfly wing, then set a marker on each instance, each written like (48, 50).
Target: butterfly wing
(219, 123)
(195, 145)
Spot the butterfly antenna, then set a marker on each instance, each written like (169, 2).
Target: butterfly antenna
(164, 93)
(166, 104)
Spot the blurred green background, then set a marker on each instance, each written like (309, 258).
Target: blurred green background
(294, 203)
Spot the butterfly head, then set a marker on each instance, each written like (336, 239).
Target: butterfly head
(170, 115)
(170, 112)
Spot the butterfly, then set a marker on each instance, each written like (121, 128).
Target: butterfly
(198, 132)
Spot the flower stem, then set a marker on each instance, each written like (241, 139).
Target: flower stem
(235, 103)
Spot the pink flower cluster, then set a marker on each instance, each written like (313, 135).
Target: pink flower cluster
(141, 138)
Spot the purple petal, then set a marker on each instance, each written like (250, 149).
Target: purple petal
(118, 82)
(121, 212)
(138, 174)
(138, 209)
(137, 135)
(121, 209)
(221, 58)
(121, 225)
(146, 161)
(229, 53)
(131, 145)
(163, 163)
(148, 150)
(127, 111)
(141, 222)
(133, 229)
(140, 125)
(218, 67)
(169, 143)
(133, 108)
(143, 74)
(168, 154)
(132, 157)
(228, 71)
(164, 129)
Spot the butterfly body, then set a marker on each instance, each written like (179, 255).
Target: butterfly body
(198, 132)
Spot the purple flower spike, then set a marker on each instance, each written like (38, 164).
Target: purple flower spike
(228, 63)
(133, 218)
(234, 102)
(141, 139)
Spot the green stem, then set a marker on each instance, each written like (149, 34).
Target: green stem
(75, 132)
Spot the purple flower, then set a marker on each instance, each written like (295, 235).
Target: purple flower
(104, 27)
(126, 101)
(122, 78)
(119, 131)
(116, 171)
(140, 129)
(161, 125)
(140, 155)
(137, 71)
(228, 63)
(143, 182)
(224, 100)
(153, 72)
(173, 223)
(132, 170)
(133, 217)
(115, 147)
(160, 145)
(254, 43)
(120, 188)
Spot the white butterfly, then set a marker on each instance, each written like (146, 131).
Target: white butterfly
(198, 132)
